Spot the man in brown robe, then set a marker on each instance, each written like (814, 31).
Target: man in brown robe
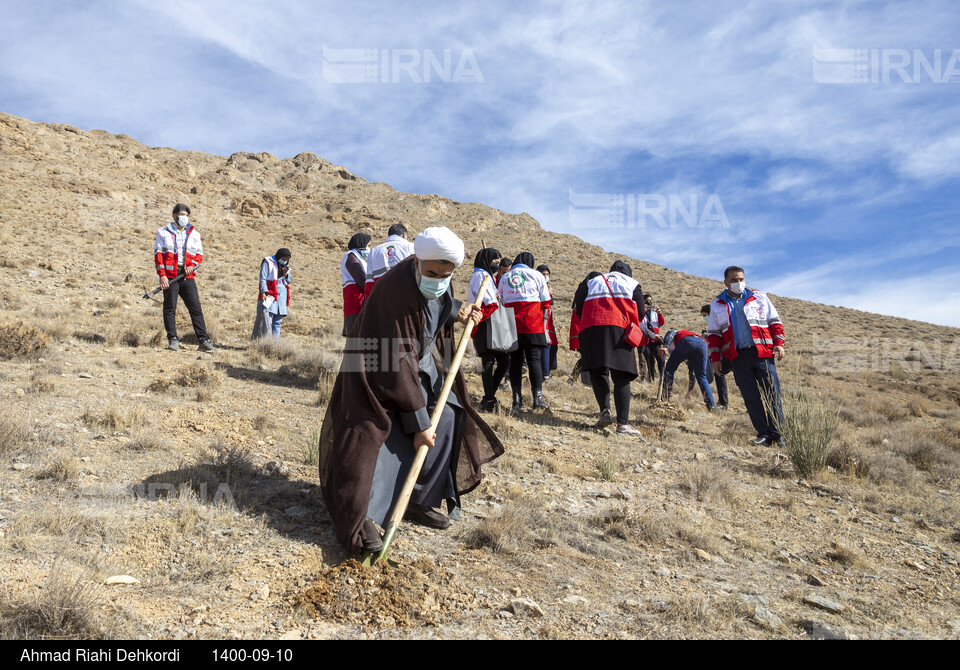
(385, 392)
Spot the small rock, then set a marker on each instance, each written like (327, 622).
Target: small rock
(19, 391)
(21, 466)
(703, 556)
(574, 600)
(526, 607)
(824, 603)
(914, 565)
(504, 614)
(663, 572)
(894, 519)
(516, 592)
(813, 580)
(699, 456)
(766, 618)
(85, 375)
(821, 632)
(121, 579)
(656, 466)
(297, 512)
(260, 594)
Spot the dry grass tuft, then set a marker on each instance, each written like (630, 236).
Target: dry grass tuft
(67, 608)
(311, 450)
(707, 482)
(192, 377)
(809, 426)
(847, 555)
(656, 526)
(63, 469)
(18, 341)
(14, 435)
(609, 466)
(520, 527)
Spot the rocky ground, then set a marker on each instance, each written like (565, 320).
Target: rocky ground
(194, 475)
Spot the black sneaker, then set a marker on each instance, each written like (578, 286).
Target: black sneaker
(539, 402)
(206, 345)
(427, 516)
(606, 418)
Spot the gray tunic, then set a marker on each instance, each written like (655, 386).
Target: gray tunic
(436, 481)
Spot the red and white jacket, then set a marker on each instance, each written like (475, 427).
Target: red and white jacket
(610, 307)
(352, 292)
(166, 251)
(273, 276)
(574, 331)
(766, 329)
(383, 257)
(551, 329)
(490, 302)
(525, 291)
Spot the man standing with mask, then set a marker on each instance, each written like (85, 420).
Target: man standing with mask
(274, 294)
(177, 250)
(386, 390)
(745, 329)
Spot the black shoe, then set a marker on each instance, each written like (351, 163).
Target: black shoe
(489, 405)
(372, 542)
(538, 401)
(206, 345)
(517, 405)
(173, 344)
(427, 516)
(762, 440)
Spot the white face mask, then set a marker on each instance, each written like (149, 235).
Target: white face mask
(546, 279)
(182, 221)
(737, 287)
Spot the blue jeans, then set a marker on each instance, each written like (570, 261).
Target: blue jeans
(755, 377)
(275, 320)
(694, 351)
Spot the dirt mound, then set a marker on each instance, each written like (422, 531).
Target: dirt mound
(415, 594)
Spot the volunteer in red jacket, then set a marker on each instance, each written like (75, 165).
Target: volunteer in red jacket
(385, 256)
(177, 250)
(273, 297)
(607, 305)
(745, 329)
(353, 274)
(524, 289)
(690, 347)
(548, 359)
(495, 363)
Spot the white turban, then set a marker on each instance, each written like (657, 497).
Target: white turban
(439, 244)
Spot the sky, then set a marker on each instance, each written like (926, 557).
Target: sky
(815, 144)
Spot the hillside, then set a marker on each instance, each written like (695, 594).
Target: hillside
(574, 532)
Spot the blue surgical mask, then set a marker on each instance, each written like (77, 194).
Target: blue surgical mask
(431, 288)
(364, 252)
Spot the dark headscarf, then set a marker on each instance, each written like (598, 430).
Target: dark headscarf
(358, 241)
(282, 253)
(524, 257)
(583, 284)
(485, 258)
(622, 268)
(543, 268)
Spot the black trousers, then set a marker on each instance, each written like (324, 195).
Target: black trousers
(492, 376)
(621, 392)
(647, 354)
(532, 353)
(186, 289)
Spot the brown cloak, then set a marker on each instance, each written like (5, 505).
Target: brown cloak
(380, 373)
